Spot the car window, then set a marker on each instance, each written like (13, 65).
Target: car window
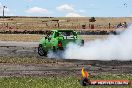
(67, 34)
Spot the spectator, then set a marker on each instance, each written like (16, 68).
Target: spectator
(119, 25)
(124, 25)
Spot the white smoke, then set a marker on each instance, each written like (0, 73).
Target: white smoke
(58, 54)
(115, 47)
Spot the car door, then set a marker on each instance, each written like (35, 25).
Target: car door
(48, 42)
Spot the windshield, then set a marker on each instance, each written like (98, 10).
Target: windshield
(67, 34)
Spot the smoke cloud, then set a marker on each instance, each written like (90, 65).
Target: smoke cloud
(115, 47)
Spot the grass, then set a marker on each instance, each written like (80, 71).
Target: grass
(26, 23)
(20, 37)
(33, 60)
(26, 60)
(36, 38)
(56, 82)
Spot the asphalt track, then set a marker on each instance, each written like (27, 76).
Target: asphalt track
(60, 68)
(12, 48)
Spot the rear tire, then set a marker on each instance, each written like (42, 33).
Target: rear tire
(82, 42)
(42, 51)
(54, 49)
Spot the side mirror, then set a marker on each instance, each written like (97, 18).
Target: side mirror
(75, 33)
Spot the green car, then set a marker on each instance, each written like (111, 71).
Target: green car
(57, 40)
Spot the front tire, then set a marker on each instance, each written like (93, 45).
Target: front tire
(42, 51)
(82, 42)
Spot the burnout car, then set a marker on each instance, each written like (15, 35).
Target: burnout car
(57, 40)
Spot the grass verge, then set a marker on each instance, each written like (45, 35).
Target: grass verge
(56, 82)
(26, 60)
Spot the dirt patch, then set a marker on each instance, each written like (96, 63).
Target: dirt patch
(24, 61)
(64, 68)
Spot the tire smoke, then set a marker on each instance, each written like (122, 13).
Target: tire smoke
(115, 47)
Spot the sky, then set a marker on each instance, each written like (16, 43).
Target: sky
(67, 8)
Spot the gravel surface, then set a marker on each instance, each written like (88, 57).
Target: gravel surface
(60, 68)
(12, 48)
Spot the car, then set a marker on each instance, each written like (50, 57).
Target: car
(56, 40)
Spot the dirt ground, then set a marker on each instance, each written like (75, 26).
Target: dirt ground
(36, 38)
(60, 67)
(65, 68)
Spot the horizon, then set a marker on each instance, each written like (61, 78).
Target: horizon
(69, 8)
(64, 17)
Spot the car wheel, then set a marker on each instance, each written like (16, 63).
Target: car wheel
(41, 51)
(82, 43)
(54, 49)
